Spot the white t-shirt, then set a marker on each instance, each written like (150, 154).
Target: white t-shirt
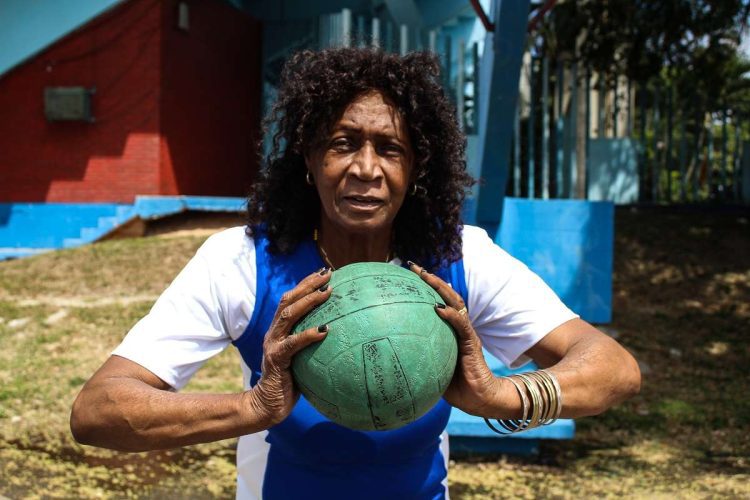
(211, 301)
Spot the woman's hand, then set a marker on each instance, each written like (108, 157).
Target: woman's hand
(473, 389)
(274, 396)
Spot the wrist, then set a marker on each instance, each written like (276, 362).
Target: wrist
(253, 412)
(510, 402)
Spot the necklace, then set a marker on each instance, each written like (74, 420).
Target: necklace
(323, 253)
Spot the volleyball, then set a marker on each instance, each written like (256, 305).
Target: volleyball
(387, 358)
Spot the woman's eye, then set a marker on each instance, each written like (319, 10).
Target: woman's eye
(391, 150)
(341, 144)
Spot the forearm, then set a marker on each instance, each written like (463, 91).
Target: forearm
(594, 373)
(129, 415)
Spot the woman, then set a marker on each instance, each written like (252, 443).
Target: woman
(366, 165)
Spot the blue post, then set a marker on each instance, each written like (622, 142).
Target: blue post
(531, 136)
(517, 152)
(545, 128)
(559, 137)
(500, 71)
(573, 121)
(587, 125)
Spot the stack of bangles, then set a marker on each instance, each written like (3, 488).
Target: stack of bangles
(546, 402)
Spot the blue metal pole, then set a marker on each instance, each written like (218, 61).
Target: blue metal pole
(531, 135)
(573, 121)
(559, 131)
(517, 152)
(545, 128)
(500, 71)
(587, 125)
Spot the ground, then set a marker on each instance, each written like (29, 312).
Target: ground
(681, 305)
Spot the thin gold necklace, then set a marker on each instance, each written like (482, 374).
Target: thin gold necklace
(323, 253)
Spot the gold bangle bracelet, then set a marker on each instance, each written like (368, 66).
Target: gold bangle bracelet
(546, 400)
(536, 405)
(524, 402)
(548, 389)
(558, 393)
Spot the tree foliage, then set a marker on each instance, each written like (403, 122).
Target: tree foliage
(692, 45)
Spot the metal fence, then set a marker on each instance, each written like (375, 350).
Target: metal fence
(577, 134)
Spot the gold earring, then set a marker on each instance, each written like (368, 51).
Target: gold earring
(309, 179)
(415, 188)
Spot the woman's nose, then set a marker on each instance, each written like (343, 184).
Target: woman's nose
(366, 164)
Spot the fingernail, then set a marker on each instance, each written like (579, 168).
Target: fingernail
(423, 271)
(323, 271)
(322, 328)
(410, 263)
(440, 306)
(323, 288)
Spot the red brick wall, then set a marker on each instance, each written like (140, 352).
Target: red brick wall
(211, 99)
(142, 141)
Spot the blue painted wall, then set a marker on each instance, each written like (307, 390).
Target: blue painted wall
(29, 26)
(569, 243)
(613, 170)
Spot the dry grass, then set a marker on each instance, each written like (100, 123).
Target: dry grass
(682, 305)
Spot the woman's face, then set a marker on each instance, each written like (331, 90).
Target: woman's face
(362, 170)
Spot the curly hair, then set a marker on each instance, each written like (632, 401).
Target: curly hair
(315, 89)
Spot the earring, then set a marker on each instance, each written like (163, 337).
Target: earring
(309, 179)
(415, 188)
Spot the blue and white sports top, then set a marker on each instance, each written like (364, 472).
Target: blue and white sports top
(401, 463)
(229, 292)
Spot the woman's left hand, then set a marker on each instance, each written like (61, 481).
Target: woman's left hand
(473, 389)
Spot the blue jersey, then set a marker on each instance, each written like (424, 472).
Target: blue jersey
(311, 456)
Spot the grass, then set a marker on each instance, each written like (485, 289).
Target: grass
(681, 303)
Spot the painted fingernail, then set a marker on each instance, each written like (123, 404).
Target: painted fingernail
(322, 328)
(410, 263)
(323, 271)
(423, 271)
(440, 306)
(323, 288)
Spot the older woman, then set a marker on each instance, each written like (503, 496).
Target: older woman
(366, 165)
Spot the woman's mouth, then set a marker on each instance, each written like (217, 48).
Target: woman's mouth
(363, 203)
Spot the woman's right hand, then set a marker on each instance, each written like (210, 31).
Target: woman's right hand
(275, 395)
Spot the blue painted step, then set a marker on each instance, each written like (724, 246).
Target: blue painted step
(31, 228)
(28, 228)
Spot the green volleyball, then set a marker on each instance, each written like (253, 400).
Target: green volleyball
(388, 357)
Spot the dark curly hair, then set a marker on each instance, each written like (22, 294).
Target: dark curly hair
(315, 89)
